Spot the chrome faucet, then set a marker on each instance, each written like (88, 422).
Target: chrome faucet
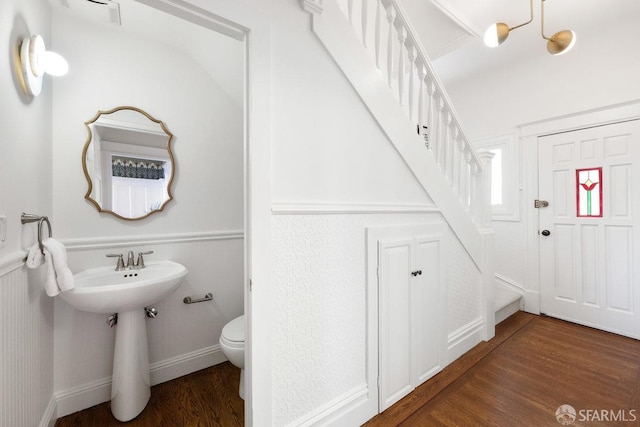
(120, 263)
(130, 261)
(131, 264)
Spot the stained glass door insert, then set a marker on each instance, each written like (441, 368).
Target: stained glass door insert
(589, 192)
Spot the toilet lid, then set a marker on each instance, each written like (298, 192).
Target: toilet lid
(234, 330)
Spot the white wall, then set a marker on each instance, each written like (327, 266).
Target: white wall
(26, 313)
(326, 147)
(333, 169)
(320, 332)
(600, 71)
(201, 228)
(110, 68)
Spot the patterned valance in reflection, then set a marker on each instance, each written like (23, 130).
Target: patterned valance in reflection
(128, 167)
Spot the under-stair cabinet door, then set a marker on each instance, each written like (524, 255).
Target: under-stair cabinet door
(412, 336)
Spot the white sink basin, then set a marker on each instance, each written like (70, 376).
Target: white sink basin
(104, 290)
(127, 292)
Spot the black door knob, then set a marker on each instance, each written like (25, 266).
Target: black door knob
(546, 233)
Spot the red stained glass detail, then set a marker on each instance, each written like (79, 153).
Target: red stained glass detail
(589, 192)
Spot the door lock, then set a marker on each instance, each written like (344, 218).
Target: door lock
(545, 233)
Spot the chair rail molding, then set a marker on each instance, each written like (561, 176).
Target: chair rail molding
(12, 262)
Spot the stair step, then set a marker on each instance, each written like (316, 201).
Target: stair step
(506, 303)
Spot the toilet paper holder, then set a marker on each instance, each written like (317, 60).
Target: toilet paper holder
(189, 300)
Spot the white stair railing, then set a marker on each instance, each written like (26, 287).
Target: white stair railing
(375, 47)
(388, 37)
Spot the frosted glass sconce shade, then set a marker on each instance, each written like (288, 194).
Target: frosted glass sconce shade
(35, 61)
(496, 34)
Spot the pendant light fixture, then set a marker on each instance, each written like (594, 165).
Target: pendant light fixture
(559, 43)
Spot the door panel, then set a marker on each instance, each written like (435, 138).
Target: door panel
(395, 320)
(428, 314)
(587, 273)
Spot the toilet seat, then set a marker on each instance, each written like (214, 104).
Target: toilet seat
(233, 332)
(232, 346)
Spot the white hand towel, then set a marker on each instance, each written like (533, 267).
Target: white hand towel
(58, 253)
(35, 258)
(58, 276)
(50, 282)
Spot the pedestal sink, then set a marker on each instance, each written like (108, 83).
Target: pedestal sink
(127, 292)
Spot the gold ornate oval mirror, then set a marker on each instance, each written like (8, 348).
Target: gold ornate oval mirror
(128, 163)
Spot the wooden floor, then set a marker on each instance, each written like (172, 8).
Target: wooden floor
(207, 398)
(519, 378)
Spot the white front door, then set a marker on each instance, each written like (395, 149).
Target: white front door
(590, 231)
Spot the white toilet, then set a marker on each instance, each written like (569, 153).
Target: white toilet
(232, 345)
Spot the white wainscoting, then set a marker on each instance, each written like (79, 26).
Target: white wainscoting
(322, 314)
(182, 339)
(464, 339)
(26, 346)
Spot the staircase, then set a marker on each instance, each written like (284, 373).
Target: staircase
(373, 43)
(506, 302)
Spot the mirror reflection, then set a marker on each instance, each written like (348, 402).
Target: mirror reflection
(128, 163)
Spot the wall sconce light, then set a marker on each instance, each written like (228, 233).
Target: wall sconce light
(559, 43)
(35, 61)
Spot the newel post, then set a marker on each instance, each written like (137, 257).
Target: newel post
(312, 6)
(483, 191)
(483, 187)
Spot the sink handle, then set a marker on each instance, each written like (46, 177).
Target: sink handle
(120, 264)
(140, 263)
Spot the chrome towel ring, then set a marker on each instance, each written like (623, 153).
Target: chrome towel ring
(27, 218)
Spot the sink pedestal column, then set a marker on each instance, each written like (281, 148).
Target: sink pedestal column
(130, 387)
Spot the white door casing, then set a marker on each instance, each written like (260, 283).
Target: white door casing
(587, 273)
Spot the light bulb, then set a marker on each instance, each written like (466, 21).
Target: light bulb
(53, 63)
(496, 34)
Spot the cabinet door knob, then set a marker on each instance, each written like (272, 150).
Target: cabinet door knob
(545, 232)
(416, 273)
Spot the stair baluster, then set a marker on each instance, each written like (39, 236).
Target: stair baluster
(406, 60)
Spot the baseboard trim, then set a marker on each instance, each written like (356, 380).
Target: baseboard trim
(84, 396)
(509, 283)
(464, 339)
(348, 409)
(175, 367)
(49, 417)
(93, 393)
(532, 301)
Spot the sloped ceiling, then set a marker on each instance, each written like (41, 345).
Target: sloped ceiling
(204, 46)
(604, 20)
